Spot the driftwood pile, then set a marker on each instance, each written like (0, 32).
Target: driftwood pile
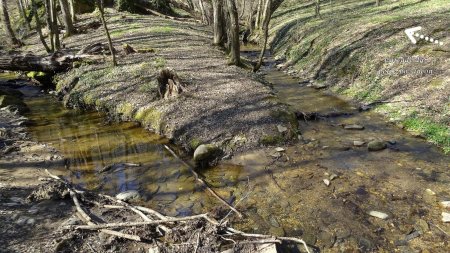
(156, 232)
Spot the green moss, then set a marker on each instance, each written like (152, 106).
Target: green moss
(194, 143)
(149, 117)
(35, 74)
(437, 133)
(270, 140)
(126, 109)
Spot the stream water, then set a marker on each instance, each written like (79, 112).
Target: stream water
(286, 195)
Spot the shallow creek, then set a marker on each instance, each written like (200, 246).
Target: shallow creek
(287, 194)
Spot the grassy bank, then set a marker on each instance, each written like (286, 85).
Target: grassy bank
(361, 51)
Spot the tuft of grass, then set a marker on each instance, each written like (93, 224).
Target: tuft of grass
(159, 62)
(439, 134)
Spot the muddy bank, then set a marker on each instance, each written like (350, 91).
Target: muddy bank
(24, 226)
(220, 104)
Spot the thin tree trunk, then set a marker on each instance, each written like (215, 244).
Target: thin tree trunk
(218, 22)
(38, 26)
(378, 2)
(7, 24)
(55, 27)
(23, 13)
(266, 21)
(105, 27)
(258, 14)
(202, 9)
(67, 17)
(243, 10)
(51, 35)
(73, 15)
(235, 58)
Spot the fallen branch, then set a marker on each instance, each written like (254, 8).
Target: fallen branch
(142, 223)
(203, 183)
(138, 212)
(85, 217)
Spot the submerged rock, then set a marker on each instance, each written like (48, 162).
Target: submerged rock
(128, 195)
(354, 127)
(17, 103)
(282, 129)
(376, 145)
(205, 152)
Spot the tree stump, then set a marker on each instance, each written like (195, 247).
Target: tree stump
(169, 84)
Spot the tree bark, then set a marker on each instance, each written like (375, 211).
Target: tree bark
(73, 15)
(258, 14)
(218, 22)
(55, 28)
(7, 24)
(38, 26)
(67, 17)
(378, 2)
(49, 24)
(266, 21)
(235, 58)
(203, 11)
(105, 27)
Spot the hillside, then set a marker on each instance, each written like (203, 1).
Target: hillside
(361, 52)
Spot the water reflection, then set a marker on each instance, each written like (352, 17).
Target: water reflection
(88, 145)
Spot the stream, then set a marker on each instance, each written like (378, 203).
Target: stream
(285, 193)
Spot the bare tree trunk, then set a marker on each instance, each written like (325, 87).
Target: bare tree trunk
(51, 35)
(235, 57)
(243, 9)
(378, 2)
(203, 11)
(38, 26)
(318, 9)
(73, 15)
(23, 13)
(266, 21)
(218, 22)
(67, 17)
(105, 27)
(55, 28)
(258, 14)
(7, 24)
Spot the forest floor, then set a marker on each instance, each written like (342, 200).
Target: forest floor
(361, 52)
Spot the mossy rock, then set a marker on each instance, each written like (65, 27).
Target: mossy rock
(17, 103)
(271, 140)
